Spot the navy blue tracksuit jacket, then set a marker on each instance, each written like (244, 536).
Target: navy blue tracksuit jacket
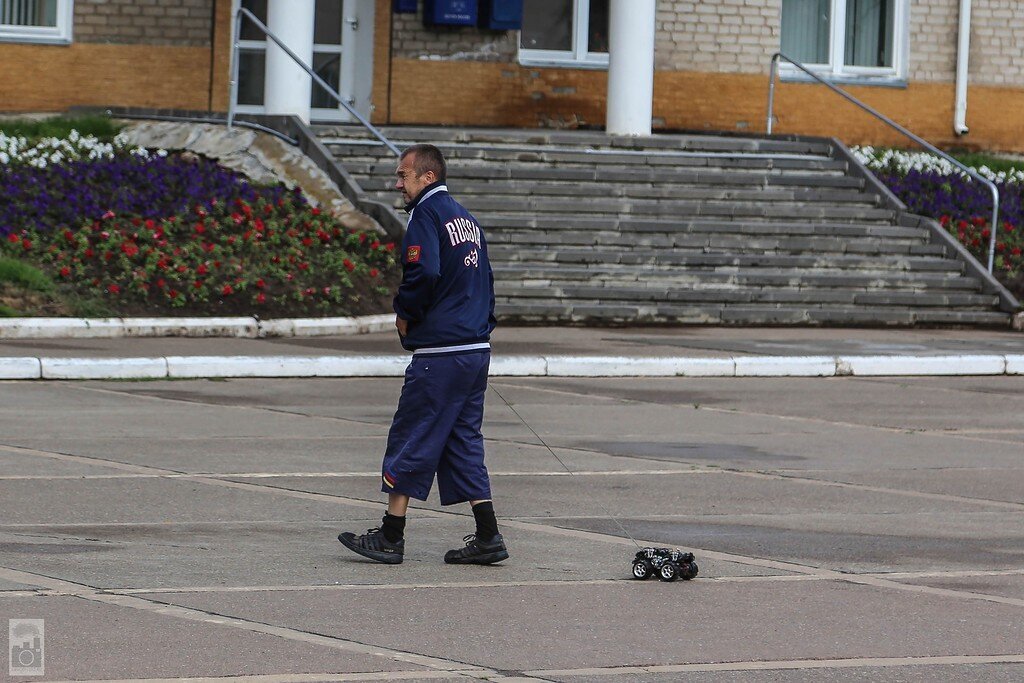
(447, 290)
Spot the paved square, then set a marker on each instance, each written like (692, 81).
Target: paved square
(846, 529)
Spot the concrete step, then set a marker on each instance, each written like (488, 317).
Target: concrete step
(457, 173)
(494, 223)
(407, 135)
(752, 276)
(383, 188)
(512, 291)
(782, 210)
(462, 157)
(741, 314)
(500, 253)
(713, 243)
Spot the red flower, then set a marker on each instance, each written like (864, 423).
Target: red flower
(374, 272)
(289, 277)
(114, 289)
(89, 253)
(315, 211)
(108, 214)
(375, 244)
(962, 224)
(1016, 251)
(202, 269)
(986, 233)
(327, 291)
(944, 220)
(65, 271)
(172, 293)
(303, 266)
(978, 221)
(26, 244)
(309, 291)
(231, 240)
(150, 224)
(226, 290)
(307, 241)
(390, 246)
(198, 284)
(261, 298)
(348, 265)
(259, 225)
(199, 228)
(69, 236)
(161, 283)
(129, 248)
(362, 237)
(13, 239)
(261, 284)
(181, 269)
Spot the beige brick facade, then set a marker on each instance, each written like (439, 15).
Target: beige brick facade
(997, 43)
(719, 36)
(413, 40)
(144, 22)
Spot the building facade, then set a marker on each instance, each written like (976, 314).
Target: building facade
(711, 63)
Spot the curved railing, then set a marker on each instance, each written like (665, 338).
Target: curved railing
(243, 13)
(892, 124)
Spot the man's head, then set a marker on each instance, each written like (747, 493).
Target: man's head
(420, 166)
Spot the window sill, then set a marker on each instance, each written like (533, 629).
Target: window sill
(846, 79)
(34, 40)
(565, 64)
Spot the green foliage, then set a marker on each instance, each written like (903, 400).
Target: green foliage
(979, 159)
(16, 272)
(60, 127)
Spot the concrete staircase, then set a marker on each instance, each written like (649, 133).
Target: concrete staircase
(688, 229)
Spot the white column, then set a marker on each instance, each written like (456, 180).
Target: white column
(288, 87)
(630, 67)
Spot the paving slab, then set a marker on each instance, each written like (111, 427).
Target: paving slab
(1011, 586)
(859, 543)
(90, 640)
(968, 673)
(582, 626)
(996, 484)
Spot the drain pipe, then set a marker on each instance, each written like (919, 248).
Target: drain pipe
(962, 62)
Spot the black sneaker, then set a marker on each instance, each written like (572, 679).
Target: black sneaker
(478, 552)
(374, 545)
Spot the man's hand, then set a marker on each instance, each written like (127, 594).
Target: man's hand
(402, 325)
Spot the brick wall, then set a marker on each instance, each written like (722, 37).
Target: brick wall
(717, 36)
(149, 22)
(933, 36)
(997, 43)
(413, 40)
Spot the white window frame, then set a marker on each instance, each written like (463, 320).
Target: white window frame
(579, 56)
(46, 35)
(835, 70)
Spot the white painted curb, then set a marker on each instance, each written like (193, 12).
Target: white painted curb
(20, 368)
(196, 367)
(878, 366)
(244, 326)
(104, 368)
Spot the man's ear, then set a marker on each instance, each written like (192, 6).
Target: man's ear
(430, 177)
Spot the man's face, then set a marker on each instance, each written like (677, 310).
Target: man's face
(408, 183)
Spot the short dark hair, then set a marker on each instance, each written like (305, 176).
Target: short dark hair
(428, 158)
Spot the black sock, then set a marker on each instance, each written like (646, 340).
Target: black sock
(486, 523)
(393, 527)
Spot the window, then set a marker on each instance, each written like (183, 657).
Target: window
(564, 33)
(327, 55)
(36, 21)
(857, 39)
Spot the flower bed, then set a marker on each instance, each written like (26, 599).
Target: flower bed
(931, 186)
(155, 233)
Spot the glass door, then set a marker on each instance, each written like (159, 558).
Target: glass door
(328, 61)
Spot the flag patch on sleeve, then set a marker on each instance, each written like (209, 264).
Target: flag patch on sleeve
(412, 254)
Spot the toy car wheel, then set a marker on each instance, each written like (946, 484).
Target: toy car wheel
(690, 570)
(668, 572)
(641, 569)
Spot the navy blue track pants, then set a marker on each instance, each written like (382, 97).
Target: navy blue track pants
(436, 429)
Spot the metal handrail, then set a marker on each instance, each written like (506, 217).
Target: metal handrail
(236, 39)
(892, 124)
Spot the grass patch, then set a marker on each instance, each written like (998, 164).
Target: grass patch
(15, 272)
(979, 159)
(8, 312)
(59, 127)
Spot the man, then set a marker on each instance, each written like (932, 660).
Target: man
(444, 315)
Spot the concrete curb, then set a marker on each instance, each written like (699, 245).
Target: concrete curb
(239, 327)
(199, 367)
